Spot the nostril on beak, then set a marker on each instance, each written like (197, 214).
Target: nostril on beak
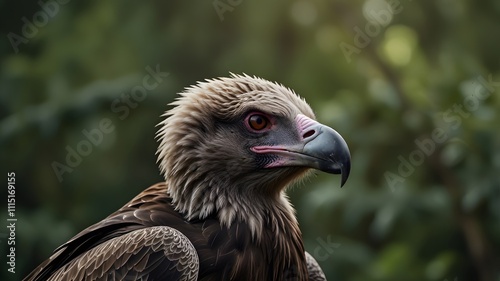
(308, 134)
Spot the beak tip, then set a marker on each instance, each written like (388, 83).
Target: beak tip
(344, 177)
(345, 170)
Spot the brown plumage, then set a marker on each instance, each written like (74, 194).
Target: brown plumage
(228, 150)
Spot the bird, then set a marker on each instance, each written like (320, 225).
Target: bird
(229, 148)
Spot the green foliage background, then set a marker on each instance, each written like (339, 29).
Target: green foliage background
(405, 82)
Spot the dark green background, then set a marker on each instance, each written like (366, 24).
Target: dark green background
(416, 71)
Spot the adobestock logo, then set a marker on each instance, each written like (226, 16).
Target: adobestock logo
(122, 106)
(326, 248)
(84, 147)
(39, 19)
(453, 118)
(222, 7)
(377, 20)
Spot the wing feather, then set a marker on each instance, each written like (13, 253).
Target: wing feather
(314, 270)
(153, 253)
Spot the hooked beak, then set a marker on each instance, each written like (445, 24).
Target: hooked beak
(320, 147)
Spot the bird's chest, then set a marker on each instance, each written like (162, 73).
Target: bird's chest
(232, 254)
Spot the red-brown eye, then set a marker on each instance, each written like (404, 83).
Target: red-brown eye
(258, 122)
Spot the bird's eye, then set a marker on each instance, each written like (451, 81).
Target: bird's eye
(258, 122)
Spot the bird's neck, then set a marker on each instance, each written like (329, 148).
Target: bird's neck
(273, 225)
(270, 219)
(246, 206)
(260, 214)
(274, 228)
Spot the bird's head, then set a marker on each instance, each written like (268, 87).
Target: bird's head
(231, 142)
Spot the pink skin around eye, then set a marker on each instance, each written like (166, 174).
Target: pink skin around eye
(269, 126)
(286, 156)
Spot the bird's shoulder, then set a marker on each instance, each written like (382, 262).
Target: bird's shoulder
(147, 223)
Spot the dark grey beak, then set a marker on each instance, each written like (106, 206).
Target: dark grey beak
(328, 151)
(319, 147)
